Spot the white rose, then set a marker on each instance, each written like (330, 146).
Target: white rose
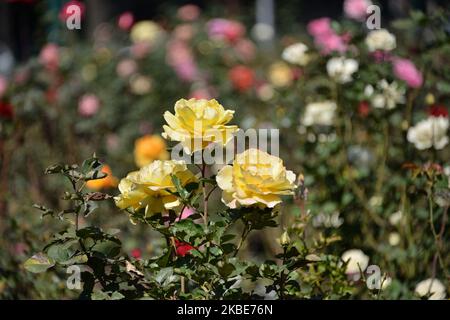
(319, 113)
(296, 54)
(433, 287)
(381, 40)
(431, 132)
(341, 69)
(394, 238)
(387, 95)
(356, 260)
(395, 218)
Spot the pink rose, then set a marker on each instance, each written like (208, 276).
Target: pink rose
(88, 105)
(49, 56)
(187, 71)
(3, 86)
(405, 70)
(326, 38)
(331, 42)
(140, 50)
(356, 9)
(126, 68)
(125, 21)
(224, 29)
(320, 27)
(245, 50)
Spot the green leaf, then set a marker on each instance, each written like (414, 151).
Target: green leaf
(62, 252)
(38, 263)
(227, 237)
(108, 248)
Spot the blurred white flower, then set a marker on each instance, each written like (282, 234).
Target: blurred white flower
(387, 95)
(431, 132)
(356, 260)
(380, 40)
(296, 54)
(433, 287)
(385, 282)
(140, 85)
(394, 238)
(319, 113)
(395, 218)
(341, 69)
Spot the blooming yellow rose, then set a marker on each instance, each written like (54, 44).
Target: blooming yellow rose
(255, 178)
(149, 187)
(149, 148)
(107, 182)
(198, 123)
(146, 31)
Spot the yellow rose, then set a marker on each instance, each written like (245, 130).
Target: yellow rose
(107, 182)
(148, 187)
(280, 75)
(146, 31)
(149, 148)
(255, 178)
(198, 123)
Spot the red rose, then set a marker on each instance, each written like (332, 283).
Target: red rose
(363, 109)
(182, 248)
(242, 77)
(6, 110)
(438, 111)
(136, 253)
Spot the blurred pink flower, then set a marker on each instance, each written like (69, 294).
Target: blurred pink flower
(3, 86)
(331, 42)
(325, 37)
(405, 70)
(125, 21)
(320, 27)
(381, 56)
(140, 50)
(245, 50)
(187, 71)
(126, 68)
(189, 12)
(224, 29)
(356, 9)
(49, 56)
(183, 32)
(180, 57)
(88, 105)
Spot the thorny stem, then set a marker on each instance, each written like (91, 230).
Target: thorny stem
(244, 235)
(205, 197)
(282, 276)
(438, 239)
